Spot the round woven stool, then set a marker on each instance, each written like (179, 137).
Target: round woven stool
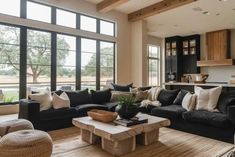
(15, 125)
(26, 143)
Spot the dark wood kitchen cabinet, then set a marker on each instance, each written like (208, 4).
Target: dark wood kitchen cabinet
(181, 56)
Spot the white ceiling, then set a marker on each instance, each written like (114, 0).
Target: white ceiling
(183, 20)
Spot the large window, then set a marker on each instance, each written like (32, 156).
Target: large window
(66, 62)
(106, 28)
(9, 63)
(65, 18)
(10, 7)
(106, 64)
(38, 12)
(88, 63)
(88, 23)
(38, 60)
(153, 65)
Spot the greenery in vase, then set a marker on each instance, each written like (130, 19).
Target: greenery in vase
(126, 100)
(8, 99)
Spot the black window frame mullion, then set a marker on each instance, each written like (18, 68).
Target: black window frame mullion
(97, 64)
(53, 61)
(23, 9)
(78, 63)
(23, 62)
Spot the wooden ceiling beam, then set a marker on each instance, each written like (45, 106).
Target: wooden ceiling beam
(107, 5)
(157, 8)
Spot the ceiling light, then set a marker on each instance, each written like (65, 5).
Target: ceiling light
(223, 0)
(233, 9)
(218, 14)
(206, 13)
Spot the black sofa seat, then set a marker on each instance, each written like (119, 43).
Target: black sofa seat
(111, 105)
(82, 110)
(171, 111)
(215, 119)
(58, 113)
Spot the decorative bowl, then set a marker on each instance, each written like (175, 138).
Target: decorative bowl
(102, 116)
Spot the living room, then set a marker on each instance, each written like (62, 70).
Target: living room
(117, 78)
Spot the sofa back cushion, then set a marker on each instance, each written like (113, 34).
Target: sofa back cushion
(122, 88)
(179, 98)
(167, 97)
(77, 97)
(99, 97)
(225, 100)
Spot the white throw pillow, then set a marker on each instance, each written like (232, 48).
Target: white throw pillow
(189, 101)
(207, 99)
(61, 101)
(43, 98)
(153, 93)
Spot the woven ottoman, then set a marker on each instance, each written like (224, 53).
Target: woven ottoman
(26, 143)
(15, 125)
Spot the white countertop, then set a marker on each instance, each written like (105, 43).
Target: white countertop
(199, 84)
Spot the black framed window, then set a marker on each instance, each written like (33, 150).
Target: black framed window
(10, 7)
(38, 60)
(38, 12)
(88, 23)
(88, 63)
(41, 60)
(9, 63)
(65, 18)
(106, 64)
(107, 28)
(66, 62)
(153, 65)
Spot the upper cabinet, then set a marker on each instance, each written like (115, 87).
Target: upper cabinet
(182, 54)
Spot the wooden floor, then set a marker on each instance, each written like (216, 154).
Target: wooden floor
(172, 143)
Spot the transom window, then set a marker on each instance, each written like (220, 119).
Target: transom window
(10, 7)
(65, 18)
(88, 23)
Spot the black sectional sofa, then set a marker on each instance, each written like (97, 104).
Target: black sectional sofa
(53, 119)
(217, 125)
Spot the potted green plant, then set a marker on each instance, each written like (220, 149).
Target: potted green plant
(8, 106)
(126, 108)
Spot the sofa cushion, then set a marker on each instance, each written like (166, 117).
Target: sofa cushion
(215, 119)
(61, 113)
(179, 98)
(225, 100)
(123, 88)
(111, 105)
(79, 97)
(99, 97)
(167, 97)
(171, 111)
(83, 109)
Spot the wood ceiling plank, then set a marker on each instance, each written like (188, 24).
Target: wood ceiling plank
(157, 8)
(108, 5)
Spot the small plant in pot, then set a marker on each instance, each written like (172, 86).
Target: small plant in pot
(126, 108)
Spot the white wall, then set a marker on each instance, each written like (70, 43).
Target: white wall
(219, 73)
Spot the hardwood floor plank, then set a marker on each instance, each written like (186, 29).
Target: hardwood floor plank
(172, 143)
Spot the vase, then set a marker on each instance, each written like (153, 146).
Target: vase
(127, 111)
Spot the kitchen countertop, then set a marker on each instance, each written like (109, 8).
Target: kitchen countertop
(198, 84)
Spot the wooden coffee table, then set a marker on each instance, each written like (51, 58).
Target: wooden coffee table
(117, 139)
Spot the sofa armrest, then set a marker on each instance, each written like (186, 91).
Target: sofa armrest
(231, 114)
(30, 110)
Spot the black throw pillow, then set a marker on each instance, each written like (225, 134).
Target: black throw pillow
(225, 100)
(122, 88)
(99, 97)
(144, 88)
(79, 97)
(167, 97)
(179, 98)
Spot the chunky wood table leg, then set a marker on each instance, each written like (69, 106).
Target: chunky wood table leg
(89, 137)
(148, 138)
(118, 148)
